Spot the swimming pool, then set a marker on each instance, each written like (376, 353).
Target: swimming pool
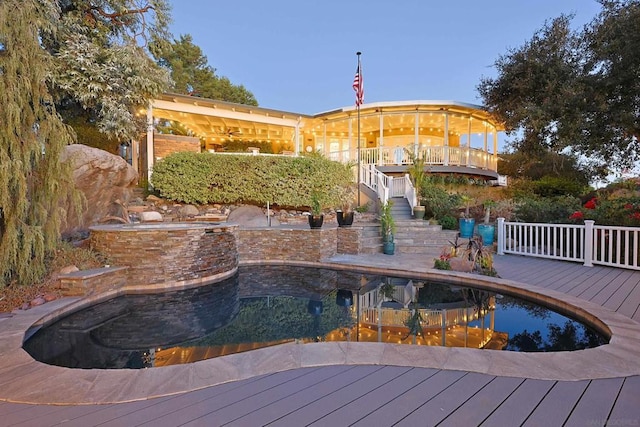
(263, 306)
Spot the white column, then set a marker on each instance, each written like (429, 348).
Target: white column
(494, 157)
(324, 136)
(486, 153)
(469, 142)
(350, 140)
(381, 146)
(501, 237)
(151, 156)
(588, 242)
(297, 137)
(446, 139)
(416, 134)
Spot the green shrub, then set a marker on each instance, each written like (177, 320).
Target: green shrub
(284, 181)
(438, 202)
(553, 210)
(554, 186)
(448, 222)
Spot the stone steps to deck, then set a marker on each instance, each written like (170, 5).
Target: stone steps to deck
(411, 237)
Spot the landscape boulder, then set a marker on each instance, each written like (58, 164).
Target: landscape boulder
(107, 182)
(250, 216)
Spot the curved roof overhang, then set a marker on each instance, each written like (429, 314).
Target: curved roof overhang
(213, 119)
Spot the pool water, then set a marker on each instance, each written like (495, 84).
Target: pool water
(271, 305)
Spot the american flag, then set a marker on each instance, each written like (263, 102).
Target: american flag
(358, 85)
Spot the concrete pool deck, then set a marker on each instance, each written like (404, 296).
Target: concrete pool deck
(24, 380)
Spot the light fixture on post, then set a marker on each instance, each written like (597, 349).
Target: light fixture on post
(125, 151)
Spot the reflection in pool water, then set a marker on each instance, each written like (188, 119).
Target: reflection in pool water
(270, 305)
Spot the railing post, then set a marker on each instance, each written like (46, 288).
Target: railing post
(501, 236)
(588, 242)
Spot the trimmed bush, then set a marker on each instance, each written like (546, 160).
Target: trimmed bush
(203, 178)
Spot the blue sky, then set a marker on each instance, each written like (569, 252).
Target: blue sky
(299, 56)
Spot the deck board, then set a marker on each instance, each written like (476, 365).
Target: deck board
(480, 406)
(333, 401)
(626, 408)
(401, 405)
(596, 403)
(612, 297)
(555, 407)
(449, 400)
(517, 407)
(375, 399)
(369, 395)
(204, 410)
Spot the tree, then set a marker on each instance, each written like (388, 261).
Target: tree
(192, 75)
(33, 182)
(102, 71)
(574, 92)
(85, 55)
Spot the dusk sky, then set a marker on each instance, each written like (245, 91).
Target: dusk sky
(300, 56)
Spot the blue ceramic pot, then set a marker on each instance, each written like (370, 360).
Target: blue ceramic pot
(466, 227)
(486, 231)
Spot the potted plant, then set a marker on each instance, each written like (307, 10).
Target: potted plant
(345, 215)
(486, 230)
(387, 228)
(466, 222)
(316, 218)
(418, 179)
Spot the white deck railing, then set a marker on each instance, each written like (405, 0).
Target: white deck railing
(430, 318)
(442, 155)
(589, 243)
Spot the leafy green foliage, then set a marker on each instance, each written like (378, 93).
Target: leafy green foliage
(438, 202)
(101, 65)
(283, 181)
(552, 186)
(33, 181)
(193, 76)
(553, 210)
(574, 91)
(448, 222)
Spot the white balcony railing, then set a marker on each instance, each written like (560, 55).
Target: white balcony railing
(444, 155)
(589, 243)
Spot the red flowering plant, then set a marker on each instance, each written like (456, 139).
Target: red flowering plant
(610, 211)
(586, 212)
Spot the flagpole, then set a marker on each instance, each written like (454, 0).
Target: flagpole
(358, 108)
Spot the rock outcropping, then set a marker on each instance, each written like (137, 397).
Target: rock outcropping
(106, 180)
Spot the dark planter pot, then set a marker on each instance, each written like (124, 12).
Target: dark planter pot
(486, 231)
(466, 227)
(418, 212)
(315, 221)
(388, 248)
(345, 219)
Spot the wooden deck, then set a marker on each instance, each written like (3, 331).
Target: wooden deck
(378, 395)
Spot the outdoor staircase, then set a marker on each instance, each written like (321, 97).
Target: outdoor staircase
(412, 236)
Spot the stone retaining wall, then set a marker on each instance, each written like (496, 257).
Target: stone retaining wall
(93, 281)
(299, 244)
(163, 252)
(146, 254)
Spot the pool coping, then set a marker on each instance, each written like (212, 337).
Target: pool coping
(24, 380)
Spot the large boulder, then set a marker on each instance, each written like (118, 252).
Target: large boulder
(250, 216)
(107, 182)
